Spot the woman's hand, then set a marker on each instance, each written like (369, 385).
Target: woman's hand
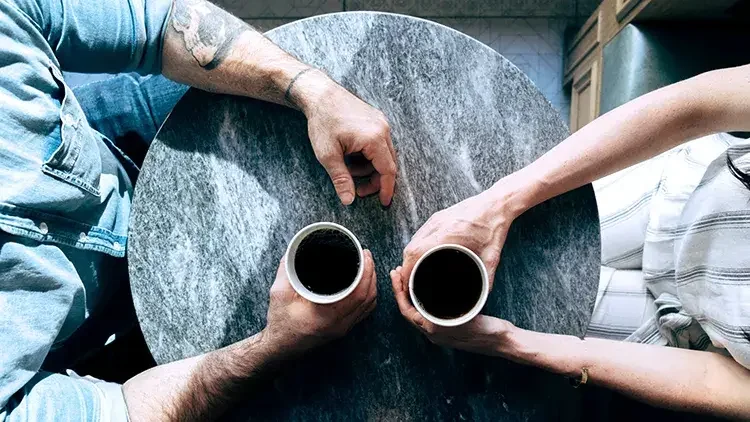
(479, 223)
(484, 334)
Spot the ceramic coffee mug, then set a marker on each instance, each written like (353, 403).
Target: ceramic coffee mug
(324, 262)
(449, 285)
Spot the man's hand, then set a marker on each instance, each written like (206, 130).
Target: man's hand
(351, 139)
(208, 48)
(476, 223)
(296, 325)
(483, 334)
(204, 386)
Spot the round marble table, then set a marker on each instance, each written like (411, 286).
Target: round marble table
(228, 181)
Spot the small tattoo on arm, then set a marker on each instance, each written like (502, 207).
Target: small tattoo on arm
(207, 31)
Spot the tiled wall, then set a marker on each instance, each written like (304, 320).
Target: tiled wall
(292, 9)
(528, 32)
(535, 45)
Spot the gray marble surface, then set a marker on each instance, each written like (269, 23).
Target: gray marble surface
(229, 180)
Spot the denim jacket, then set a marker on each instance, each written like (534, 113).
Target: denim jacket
(65, 191)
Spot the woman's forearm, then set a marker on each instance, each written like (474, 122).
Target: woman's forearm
(717, 101)
(679, 379)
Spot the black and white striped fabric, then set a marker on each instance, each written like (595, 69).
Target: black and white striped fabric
(676, 250)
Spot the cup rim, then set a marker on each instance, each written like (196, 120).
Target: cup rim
(291, 251)
(463, 319)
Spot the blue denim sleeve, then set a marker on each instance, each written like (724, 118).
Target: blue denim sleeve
(56, 397)
(43, 300)
(104, 36)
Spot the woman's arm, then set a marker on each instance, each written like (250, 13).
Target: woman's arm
(679, 379)
(717, 101)
(668, 377)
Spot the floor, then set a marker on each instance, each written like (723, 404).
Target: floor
(530, 33)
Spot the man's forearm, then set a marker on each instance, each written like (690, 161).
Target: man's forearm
(669, 377)
(201, 387)
(713, 102)
(208, 48)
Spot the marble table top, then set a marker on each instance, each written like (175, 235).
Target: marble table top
(228, 181)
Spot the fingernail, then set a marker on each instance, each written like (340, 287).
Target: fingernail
(347, 198)
(386, 207)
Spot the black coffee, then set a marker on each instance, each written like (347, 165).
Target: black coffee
(448, 284)
(326, 262)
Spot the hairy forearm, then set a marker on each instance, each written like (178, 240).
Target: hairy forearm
(713, 102)
(208, 48)
(668, 377)
(201, 387)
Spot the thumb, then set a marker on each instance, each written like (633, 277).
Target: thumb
(341, 178)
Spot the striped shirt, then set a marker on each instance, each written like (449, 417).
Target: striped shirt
(676, 250)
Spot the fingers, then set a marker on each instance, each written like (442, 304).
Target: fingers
(411, 256)
(401, 293)
(379, 153)
(387, 187)
(363, 290)
(391, 148)
(491, 261)
(361, 170)
(372, 291)
(369, 187)
(281, 281)
(372, 299)
(391, 182)
(341, 178)
(359, 165)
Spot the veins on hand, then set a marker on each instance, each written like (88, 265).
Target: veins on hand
(207, 31)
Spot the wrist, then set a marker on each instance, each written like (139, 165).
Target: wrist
(512, 195)
(263, 347)
(560, 354)
(306, 87)
(281, 344)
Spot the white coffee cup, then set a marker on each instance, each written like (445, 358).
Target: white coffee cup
(291, 253)
(477, 306)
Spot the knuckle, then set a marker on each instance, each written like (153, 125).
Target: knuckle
(494, 261)
(426, 327)
(275, 294)
(340, 181)
(410, 253)
(384, 126)
(325, 156)
(362, 298)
